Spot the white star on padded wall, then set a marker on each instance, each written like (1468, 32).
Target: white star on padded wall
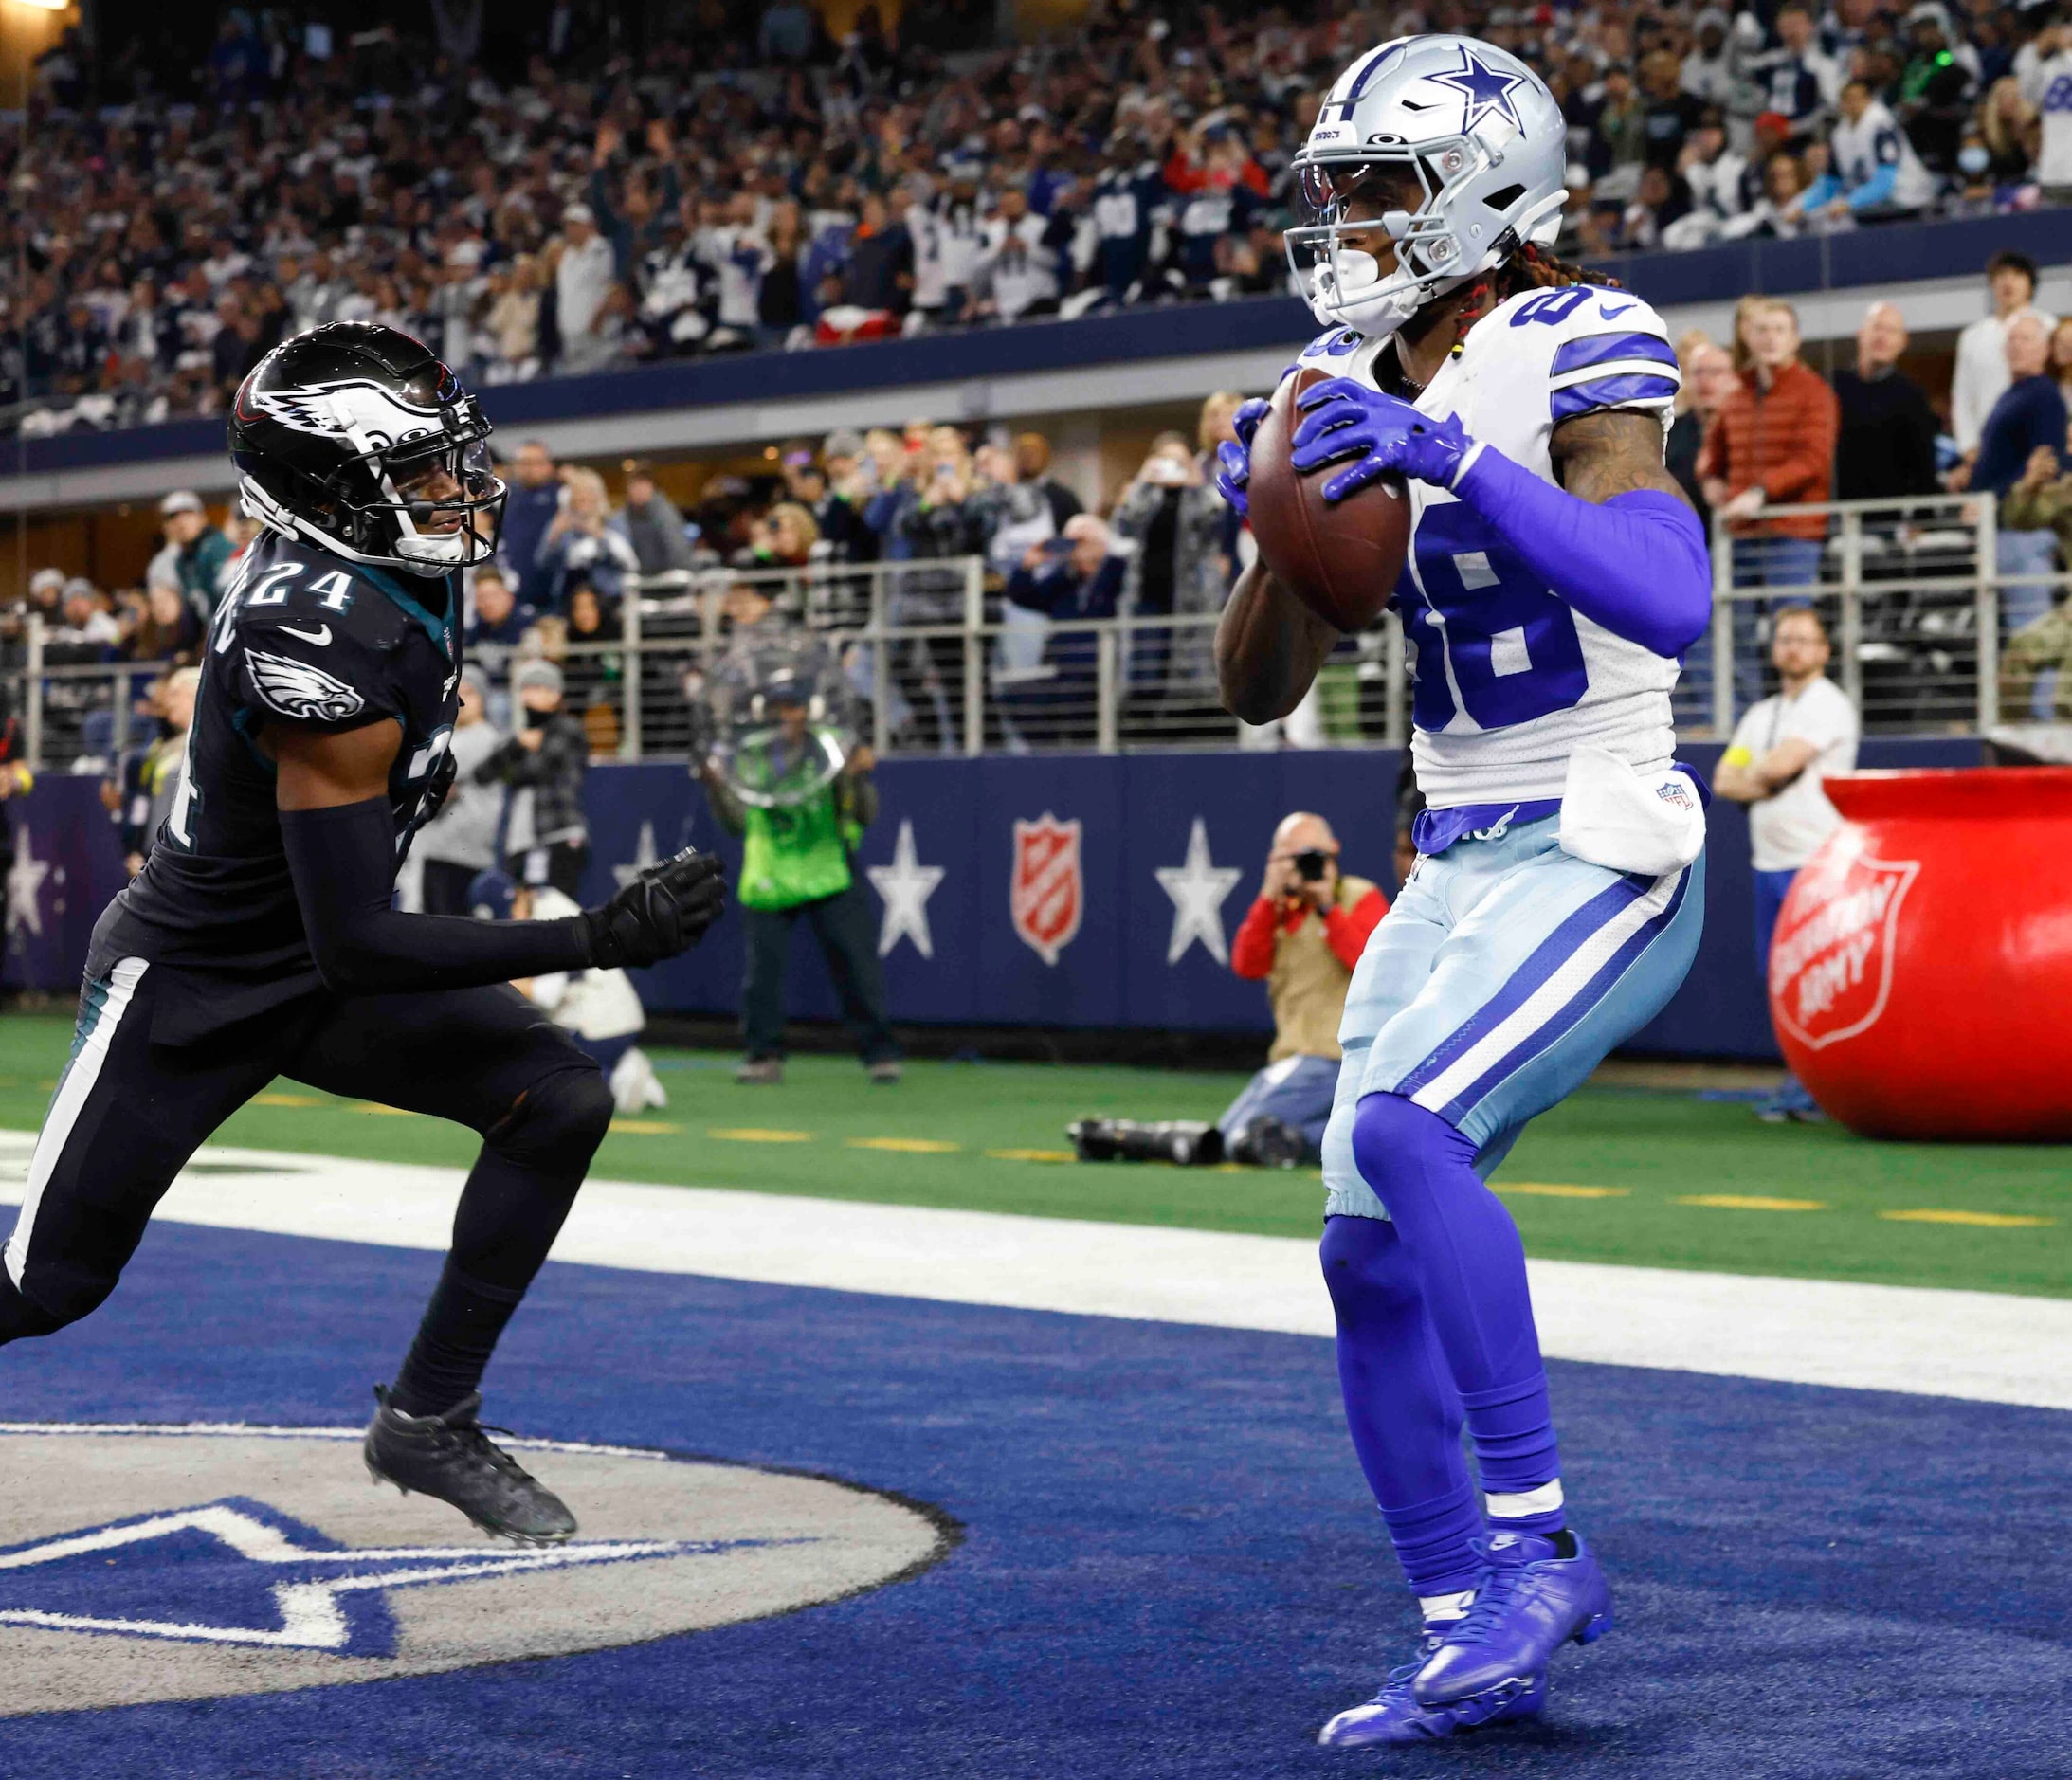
(24, 888)
(643, 856)
(1197, 889)
(905, 885)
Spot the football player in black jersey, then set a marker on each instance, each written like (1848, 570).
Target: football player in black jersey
(259, 941)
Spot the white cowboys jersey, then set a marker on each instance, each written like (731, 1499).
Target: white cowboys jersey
(1510, 680)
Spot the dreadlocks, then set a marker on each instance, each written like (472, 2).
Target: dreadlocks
(1530, 269)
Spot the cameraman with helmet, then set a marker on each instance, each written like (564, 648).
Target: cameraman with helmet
(1301, 937)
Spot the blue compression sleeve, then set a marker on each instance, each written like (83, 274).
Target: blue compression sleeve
(1636, 565)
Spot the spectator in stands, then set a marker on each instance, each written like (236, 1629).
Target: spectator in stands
(1771, 446)
(2044, 93)
(196, 554)
(1782, 750)
(1775, 211)
(2036, 662)
(170, 630)
(1032, 465)
(1936, 87)
(652, 525)
(462, 839)
(1874, 175)
(2028, 419)
(2061, 358)
(1069, 581)
(152, 774)
(1183, 566)
(1708, 376)
(836, 491)
(592, 679)
(1885, 445)
(1981, 372)
(583, 543)
(1795, 78)
(496, 623)
(84, 620)
(547, 840)
(801, 862)
(584, 284)
(785, 537)
(1010, 514)
(1302, 937)
(880, 273)
(530, 505)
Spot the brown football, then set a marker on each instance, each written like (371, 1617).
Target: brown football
(1340, 561)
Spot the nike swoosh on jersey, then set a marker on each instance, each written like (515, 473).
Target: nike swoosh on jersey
(319, 636)
(1608, 313)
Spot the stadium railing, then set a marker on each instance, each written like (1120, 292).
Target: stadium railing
(933, 660)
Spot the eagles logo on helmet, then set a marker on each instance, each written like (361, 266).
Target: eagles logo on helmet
(355, 437)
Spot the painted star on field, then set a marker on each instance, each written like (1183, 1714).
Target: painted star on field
(1198, 889)
(24, 890)
(1487, 90)
(905, 885)
(238, 1572)
(643, 856)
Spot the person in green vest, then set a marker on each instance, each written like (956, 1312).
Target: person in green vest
(801, 826)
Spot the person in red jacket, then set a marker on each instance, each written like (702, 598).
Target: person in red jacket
(1301, 937)
(1771, 443)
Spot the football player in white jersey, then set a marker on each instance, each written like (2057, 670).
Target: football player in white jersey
(1557, 575)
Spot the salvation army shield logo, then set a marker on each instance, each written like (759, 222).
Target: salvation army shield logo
(1833, 955)
(154, 1563)
(1047, 895)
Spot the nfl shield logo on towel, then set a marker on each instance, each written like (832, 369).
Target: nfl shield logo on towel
(1047, 895)
(1832, 962)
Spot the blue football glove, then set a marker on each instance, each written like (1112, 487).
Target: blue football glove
(1235, 461)
(1379, 434)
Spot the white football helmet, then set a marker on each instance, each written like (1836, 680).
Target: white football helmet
(1483, 137)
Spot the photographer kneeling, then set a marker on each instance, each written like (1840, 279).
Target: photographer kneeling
(1301, 937)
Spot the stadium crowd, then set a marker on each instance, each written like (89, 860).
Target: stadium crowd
(781, 552)
(585, 209)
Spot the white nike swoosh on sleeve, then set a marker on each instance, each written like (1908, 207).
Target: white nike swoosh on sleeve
(319, 636)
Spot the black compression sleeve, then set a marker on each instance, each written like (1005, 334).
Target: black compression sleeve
(343, 863)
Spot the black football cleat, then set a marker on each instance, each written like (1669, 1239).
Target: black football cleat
(451, 1457)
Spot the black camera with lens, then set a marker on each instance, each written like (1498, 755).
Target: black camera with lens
(1310, 865)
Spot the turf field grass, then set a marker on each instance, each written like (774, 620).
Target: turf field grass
(1810, 1201)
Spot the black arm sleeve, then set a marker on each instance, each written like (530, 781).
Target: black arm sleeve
(343, 863)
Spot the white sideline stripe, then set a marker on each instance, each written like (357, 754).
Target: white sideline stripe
(1979, 1345)
(76, 1083)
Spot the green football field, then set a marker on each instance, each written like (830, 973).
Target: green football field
(1644, 1176)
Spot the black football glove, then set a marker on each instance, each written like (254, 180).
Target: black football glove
(662, 912)
(438, 788)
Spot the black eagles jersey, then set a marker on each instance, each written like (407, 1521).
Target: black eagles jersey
(302, 636)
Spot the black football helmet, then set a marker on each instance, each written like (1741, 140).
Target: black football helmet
(354, 438)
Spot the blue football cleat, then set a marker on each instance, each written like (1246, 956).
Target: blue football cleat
(1393, 1714)
(1529, 1600)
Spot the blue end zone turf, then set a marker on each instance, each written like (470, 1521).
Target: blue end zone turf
(1169, 1567)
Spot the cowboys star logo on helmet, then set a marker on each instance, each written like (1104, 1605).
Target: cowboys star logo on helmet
(298, 690)
(1488, 90)
(1472, 141)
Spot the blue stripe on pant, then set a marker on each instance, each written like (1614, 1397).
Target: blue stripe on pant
(1501, 979)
